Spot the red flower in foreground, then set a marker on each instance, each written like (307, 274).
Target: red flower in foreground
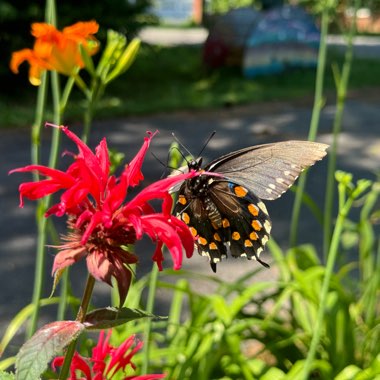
(101, 223)
(106, 361)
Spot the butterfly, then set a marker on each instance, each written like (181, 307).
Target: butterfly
(225, 212)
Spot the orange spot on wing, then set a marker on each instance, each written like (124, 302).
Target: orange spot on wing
(256, 225)
(186, 218)
(225, 223)
(248, 243)
(240, 191)
(254, 210)
(182, 200)
(202, 240)
(213, 246)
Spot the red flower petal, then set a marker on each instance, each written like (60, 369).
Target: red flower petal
(159, 230)
(157, 190)
(133, 170)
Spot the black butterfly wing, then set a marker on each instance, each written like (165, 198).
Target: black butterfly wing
(193, 211)
(246, 225)
(228, 216)
(268, 170)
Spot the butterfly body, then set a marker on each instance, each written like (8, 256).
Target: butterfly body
(224, 211)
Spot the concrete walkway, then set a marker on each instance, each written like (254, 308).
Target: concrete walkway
(238, 127)
(364, 46)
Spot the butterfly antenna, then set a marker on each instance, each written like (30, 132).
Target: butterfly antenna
(166, 166)
(182, 146)
(206, 143)
(181, 153)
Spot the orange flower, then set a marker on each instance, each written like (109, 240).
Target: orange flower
(56, 50)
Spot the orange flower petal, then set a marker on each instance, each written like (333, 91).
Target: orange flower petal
(81, 30)
(41, 29)
(18, 57)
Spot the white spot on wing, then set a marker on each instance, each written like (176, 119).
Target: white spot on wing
(262, 207)
(267, 226)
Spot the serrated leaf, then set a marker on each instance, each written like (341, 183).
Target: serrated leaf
(35, 355)
(110, 317)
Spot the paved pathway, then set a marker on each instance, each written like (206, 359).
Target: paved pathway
(364, 46)
(237, 127)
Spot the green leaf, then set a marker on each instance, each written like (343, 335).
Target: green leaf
(348, 373)
(88, 62)
(273, 373)
(221, 309)
(57, 277)
(6, 376)
(110, 317)
(7, 363)
(35, 355)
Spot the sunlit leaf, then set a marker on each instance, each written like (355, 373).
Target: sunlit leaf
(35, 355)
(110, 317)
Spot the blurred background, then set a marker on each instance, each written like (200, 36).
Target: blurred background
(200, 54)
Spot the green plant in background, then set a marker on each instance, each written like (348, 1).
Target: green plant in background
(263, 330)
(317, 321)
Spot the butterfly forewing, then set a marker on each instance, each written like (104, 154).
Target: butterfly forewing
(225, 212)
(269, 170)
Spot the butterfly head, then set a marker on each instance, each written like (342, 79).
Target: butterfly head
(195, 164)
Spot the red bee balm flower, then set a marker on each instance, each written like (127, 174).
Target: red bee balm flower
(120, 358)
(56, 50)
(101, 224)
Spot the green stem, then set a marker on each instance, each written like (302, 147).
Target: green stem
(39, 279)
(333, 252)
(342, 84)
(87, 120)
(66, 93)
(318, 103)
(80, 318)
(148, 324)
(37, 125)
(97, 89)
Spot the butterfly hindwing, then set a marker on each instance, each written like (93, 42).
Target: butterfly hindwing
(245, 220)
(228, 217)
(194, 212)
